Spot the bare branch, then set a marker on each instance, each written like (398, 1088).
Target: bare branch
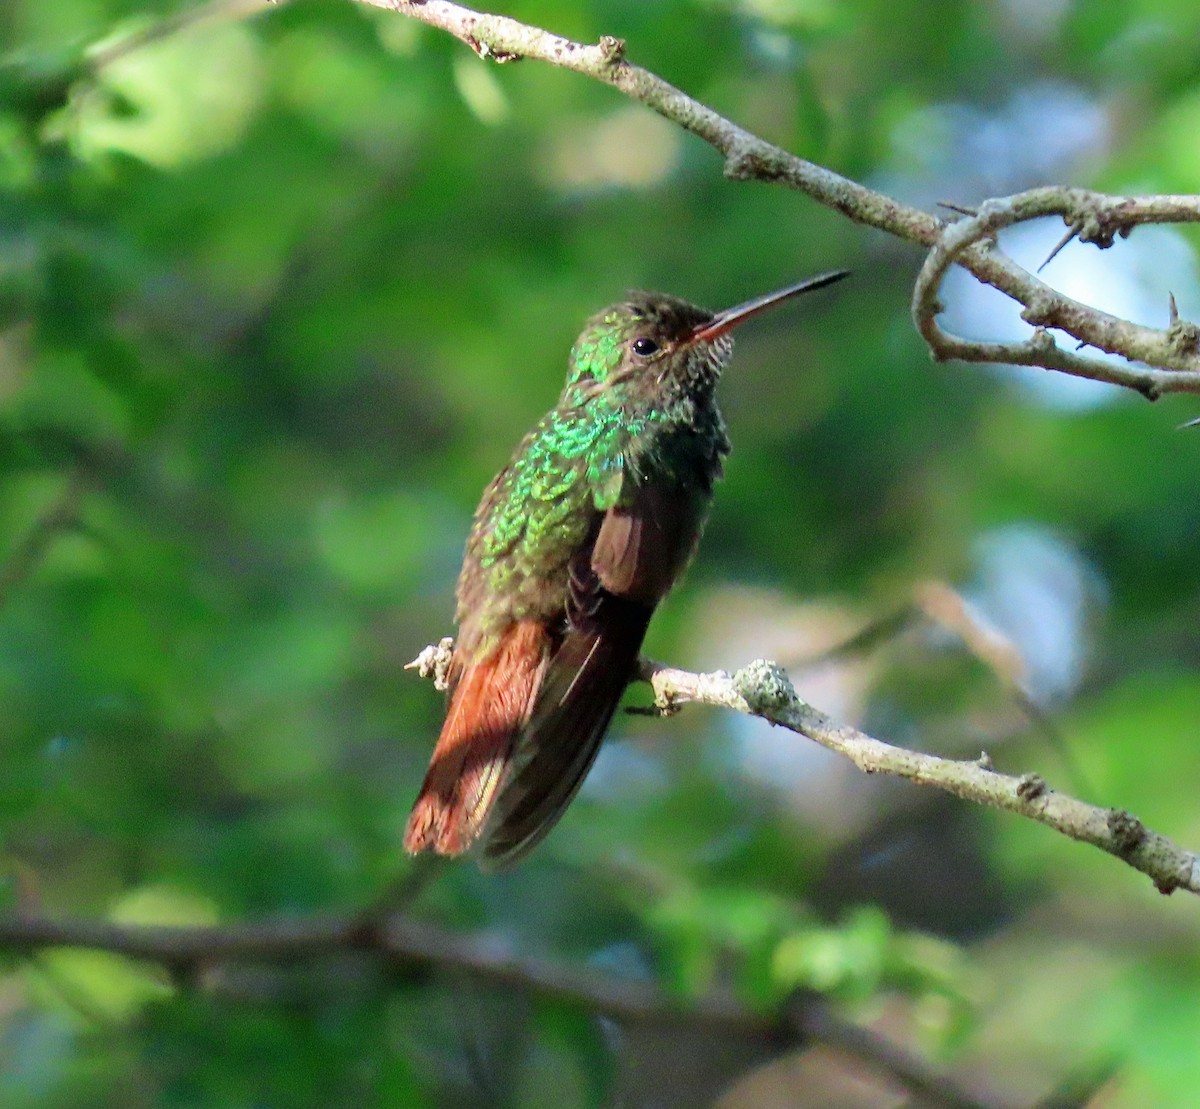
(763, 689)
(747, 157)
(1092, 217)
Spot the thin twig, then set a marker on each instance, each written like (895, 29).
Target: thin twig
(818, 1022)
(747, 157)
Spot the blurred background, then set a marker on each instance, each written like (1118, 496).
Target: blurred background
(279, 293)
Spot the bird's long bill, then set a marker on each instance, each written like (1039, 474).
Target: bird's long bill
(731, 317)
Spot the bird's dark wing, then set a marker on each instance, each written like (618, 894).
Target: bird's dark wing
(636, 552)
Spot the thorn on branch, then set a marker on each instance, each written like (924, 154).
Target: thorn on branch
(665, 703)
(1157, 360)
(1072, 231)
(1183, 335)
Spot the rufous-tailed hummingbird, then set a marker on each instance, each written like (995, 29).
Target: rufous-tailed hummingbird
(574, 543)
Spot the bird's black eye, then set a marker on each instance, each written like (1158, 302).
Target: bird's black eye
(645, 347)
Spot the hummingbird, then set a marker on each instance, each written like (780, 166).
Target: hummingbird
(574, 544)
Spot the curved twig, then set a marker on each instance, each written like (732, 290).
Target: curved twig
(1173, 355)
(1092, 218)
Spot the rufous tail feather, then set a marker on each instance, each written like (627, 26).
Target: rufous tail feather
(490, 704)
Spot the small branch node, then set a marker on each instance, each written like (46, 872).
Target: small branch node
(984, 762)
(613, 49)
(1031, 786)
(667, 701)
(1127, 831)
(739, 165)
(745, 162)
(1039, 308)
(1041, 342)
(1187, 877)
(1099, 222)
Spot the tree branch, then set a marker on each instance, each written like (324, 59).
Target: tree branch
(763, 689)
(1173, 353)
(414, 947)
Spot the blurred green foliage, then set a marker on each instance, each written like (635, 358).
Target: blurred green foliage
(279, 292)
